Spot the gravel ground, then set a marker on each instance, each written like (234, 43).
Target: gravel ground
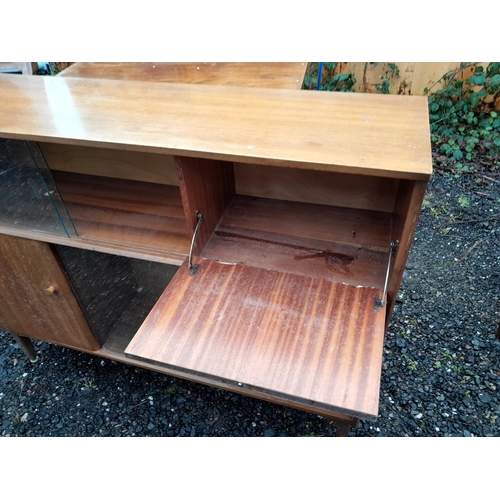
(441, 369)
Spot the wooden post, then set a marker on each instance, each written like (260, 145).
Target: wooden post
(344, 426)
(26, 346)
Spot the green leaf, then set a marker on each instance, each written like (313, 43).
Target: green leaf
(457, 154)
(493, 68)
(477, 79)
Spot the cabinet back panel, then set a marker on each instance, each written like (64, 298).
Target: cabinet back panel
(131, 165)
(130, 214)
(323, 188)
(116, 292)
(331, 243)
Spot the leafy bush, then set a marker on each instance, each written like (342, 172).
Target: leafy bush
(462, 117)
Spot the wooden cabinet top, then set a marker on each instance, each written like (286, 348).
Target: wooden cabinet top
(288, 75)
(381, 135)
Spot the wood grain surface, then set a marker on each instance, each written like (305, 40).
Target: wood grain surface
(263, 75)
(128, 213)
(332, 243)
(303, 339)
(131, 165)
(379, 135)
(332, 224)
(406, 213)
(322, 188)
(207, 187)
(28, 268)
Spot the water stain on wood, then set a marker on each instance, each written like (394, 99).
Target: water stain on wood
(333, 260)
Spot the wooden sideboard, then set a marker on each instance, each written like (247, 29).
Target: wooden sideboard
(252, 239)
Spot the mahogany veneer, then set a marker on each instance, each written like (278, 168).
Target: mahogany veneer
(300, 338)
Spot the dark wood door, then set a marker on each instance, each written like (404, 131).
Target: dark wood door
(298, 338)
(35, 298)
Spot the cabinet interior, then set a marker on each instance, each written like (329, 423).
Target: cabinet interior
(110, 205)
(116, 292)
(327, 225)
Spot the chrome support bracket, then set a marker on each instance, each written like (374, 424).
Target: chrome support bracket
(193, 269)
(379, 303)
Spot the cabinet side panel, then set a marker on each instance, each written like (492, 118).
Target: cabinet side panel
(37, 300)
(405, 217)
(207, 186)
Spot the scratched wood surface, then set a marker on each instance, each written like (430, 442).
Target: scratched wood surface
(378, 135)
(253, 74)
(307, 339)
(332, 243)
(28, 269)
(129, 213)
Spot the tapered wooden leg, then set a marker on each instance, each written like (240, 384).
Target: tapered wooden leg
(26, 346)
(344, 426)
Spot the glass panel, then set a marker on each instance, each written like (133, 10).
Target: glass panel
(117, 293)
(29, 198)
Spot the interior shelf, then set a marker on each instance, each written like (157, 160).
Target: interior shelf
(332, 243)
(130, 214)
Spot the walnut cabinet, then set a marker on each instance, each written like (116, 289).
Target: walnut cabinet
(250, 239)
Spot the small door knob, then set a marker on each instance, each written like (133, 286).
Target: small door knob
(51, 290)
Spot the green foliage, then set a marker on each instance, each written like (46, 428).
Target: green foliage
(464, 202)
(342, 82)
(412, 365)
(339, 83)
(462, 115)
(463, 121)
(390, 71)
